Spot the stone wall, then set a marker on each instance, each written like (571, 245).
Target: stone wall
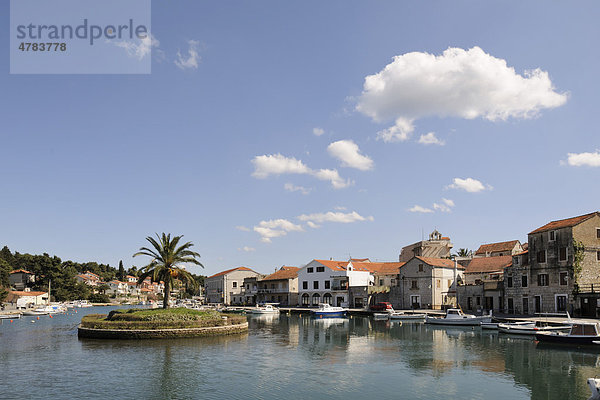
(90, 333)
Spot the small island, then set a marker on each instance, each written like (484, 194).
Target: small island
(160, 324)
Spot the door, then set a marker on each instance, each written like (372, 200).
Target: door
(340, 300)
(511, 306)
(489, 303)
(525, 305)
(415, 301)
(561, 303)
(588, 307)
(537, 302)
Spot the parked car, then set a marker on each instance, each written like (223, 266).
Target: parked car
(382, 306)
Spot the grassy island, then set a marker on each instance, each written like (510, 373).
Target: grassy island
(160, 323)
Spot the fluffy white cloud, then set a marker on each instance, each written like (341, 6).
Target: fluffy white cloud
(318, 131)
(420, 209)
(242, 228)
(331, 216)
(584, 159)
(293, 188)
(138, 49)
(349, 154)
(312, 225)
(192, 57)
(275, 228)
(277, 164)
(430, 138)
(458, 83)
(246, 249)
(469, 184)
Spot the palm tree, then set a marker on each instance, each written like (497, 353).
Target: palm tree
(166, 257)
(463, 253)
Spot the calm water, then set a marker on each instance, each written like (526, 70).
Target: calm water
(289, 357)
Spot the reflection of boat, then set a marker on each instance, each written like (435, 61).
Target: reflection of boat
(329, 322)
(594, 385)
(267, 309)
(10, 316)
(401, 315)
(489, 325)
(327, 310)
(529, 328)
(580, 333)
(455, 316)
(381, 316)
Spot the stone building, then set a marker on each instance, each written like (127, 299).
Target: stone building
(437, 246)
(560, 271)
(499, 249)
(279, 287)
(227, 287)
(426, 282)
(483, 286)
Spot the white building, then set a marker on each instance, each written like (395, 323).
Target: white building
(329, 281)
(27, 298)
(227, 287)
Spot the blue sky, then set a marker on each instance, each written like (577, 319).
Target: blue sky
(92, 164)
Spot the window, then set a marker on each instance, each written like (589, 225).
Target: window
(304, 285)
(509, 281)
(598, 233)
(327, 297)
(327, 284)
(305, 299)
(413, 285)
(598, 255)
(516, 260)
(478, 300)
(541, 256)
(551, 236)
(542, 279)
(234, 284)
(381, 282)
(309, 270)
(316, 299)
(420, 267)
(524, 281)
(248, 287)
(562, 254)
(563, 278)
(272, 286)
(438, 283)
(320, 269)
(315, 284)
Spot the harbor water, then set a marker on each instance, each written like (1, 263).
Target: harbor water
(289, 357)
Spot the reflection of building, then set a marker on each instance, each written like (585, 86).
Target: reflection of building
(437, 246)
(280, 287)
(560, 271)
(227, 287)
(428, 283)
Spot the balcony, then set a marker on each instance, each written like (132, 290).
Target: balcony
(285, 290)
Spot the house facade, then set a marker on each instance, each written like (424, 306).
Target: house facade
(560, 271)
(227, 287)
(20, 279)
(499, 249)
(27, 298)
(426, 282)
(482, 288)
(280, 287)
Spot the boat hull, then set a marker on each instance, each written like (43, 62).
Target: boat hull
(566, 339)
(408, 317)
(475, 321)
(329, 314)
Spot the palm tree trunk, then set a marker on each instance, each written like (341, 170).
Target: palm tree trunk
(167, 294)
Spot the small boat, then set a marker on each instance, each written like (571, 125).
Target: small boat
(580, 333)
(266, 309)
(327, 310)
(594, 385)
(454, 316)
(401, 315)
(83, 304)
(530, 328)
(10, 316)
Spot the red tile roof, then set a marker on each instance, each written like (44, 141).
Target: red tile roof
(374, 267)
(440, 262)
(488, 264)
(495, 247)
(21, 271)
(564, 223)
(24, 293)
(283, 273)
(230, 270)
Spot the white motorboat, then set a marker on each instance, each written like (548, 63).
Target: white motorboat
(266, 309)
(455, 316)
(83, 304)
(530, 328)
(327, 310)
(401, 315)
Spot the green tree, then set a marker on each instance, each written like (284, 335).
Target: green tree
(121, 273)
(3, 294)
(166, 258)
(463, 253)
(7, 256)
(4, 273)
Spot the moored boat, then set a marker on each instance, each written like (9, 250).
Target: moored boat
(455, 316)
(530, 328)
(10, 316)
(327, 310)
(266, 309)
(401, 315)
(581, 333)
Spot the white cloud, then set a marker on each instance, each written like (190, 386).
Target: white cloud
(242, 228)
(469, 184)
(584, 159)
(441, 207)
(246, 249)
(331, 216)
(140, 48)
(349, 154)
(318, 131)
(275, 228)
(293, 188)
(192, 58)
(420, 209)
(458, 83)
(312, 225)
(448, 202)
(430, 138)
(333, 177)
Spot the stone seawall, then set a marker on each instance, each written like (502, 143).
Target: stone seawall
(90, 333)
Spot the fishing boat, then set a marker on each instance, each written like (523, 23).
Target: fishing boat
(454, 316)
(403, 316)
(580, 333)
(530, 327)
(327, 310)
(266, 309)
